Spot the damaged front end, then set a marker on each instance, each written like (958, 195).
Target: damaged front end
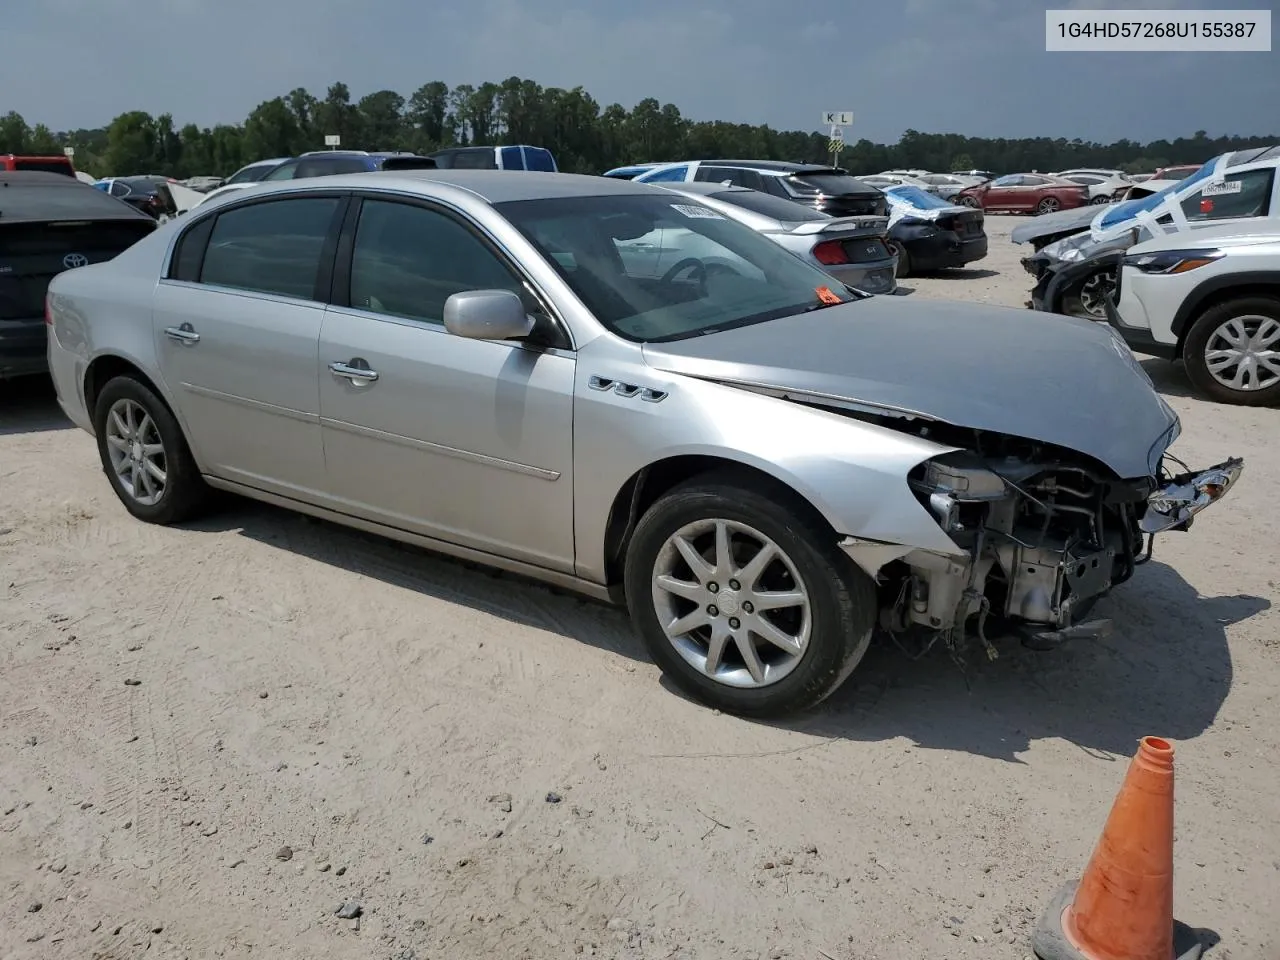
(1043, 537)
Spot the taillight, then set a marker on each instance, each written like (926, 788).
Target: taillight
(48, 311)
(830, 252)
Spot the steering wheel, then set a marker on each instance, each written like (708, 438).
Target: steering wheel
(699, 268)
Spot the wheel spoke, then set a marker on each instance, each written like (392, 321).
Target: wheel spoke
(152, 449)
(117, 443)
(1234, 332)
(690, 621)
(153, 471)
(777, 599)
(122, 428)
(750, 573)
(724, 551)
(771, 632)
(1219, 359)
(148, 484)
(720, 636)
(1268, 333)
(750, 655)
(123, 466)
(681, 588)
(701, 569)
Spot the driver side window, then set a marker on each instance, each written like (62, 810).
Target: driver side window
(408, 260)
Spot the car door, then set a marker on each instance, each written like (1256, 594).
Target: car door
(237, 323)
(1002, 193)
(467, 441)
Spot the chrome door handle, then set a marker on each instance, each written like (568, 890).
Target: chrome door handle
(352, 373)
(183, 334)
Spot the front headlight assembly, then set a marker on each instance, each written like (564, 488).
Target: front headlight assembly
(1172, 261)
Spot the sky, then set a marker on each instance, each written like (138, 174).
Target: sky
(976, 67)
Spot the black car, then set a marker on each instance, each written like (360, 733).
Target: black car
(145, 193)
(828, 189)
(50, 223)
(929, 233)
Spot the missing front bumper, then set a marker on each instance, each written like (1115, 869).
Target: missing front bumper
(1175, 505)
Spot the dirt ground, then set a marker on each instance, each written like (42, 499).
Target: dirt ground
(212, 737)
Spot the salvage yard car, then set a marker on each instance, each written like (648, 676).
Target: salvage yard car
(854, 250)
(828, 189)
(1076, 274)
(1025, 193)
(1212, 300)
(49, 223)
(461, 359)
(927, 233)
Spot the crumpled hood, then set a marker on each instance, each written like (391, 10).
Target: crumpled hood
(1047, 224)
(1039, 376)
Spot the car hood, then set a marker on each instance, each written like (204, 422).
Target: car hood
(1038, 376)
(1047, 224)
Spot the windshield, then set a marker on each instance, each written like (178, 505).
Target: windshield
(655, 268)
(915, 197)
(766, 204)
(1131, 208)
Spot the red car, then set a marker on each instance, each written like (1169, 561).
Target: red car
(1025, 193)
(11, 161)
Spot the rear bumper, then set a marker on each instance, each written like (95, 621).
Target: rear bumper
(24, 346)
(943, 249)
(876, 276)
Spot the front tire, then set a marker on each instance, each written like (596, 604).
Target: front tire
(970, 202)
(144, 454)
(743, 598)
(1232, 352)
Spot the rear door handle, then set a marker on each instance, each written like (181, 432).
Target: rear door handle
(183, 334)
(353, 373)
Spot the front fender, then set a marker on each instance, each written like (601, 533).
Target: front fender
(854, 473)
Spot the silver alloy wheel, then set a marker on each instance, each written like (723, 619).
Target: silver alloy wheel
(1048, 205)
(1244, 353)
(1094, 291)
(136, 451)
(732, 603)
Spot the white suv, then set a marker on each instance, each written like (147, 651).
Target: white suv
(1212, 299)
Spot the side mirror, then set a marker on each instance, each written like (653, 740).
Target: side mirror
(487, 315)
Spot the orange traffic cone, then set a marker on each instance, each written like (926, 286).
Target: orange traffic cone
(1122, 909)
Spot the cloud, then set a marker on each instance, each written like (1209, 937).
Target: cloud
(966, 66)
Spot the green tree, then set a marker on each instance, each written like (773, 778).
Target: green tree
(133, 145)
(382, 120)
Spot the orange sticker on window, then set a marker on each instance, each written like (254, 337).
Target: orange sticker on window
(826, 295)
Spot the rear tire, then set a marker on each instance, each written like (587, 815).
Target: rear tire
(819, 602)
(904, 260)
(1256, 317)
(144, 454)
(1048, 205)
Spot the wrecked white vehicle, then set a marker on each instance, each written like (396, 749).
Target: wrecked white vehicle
(1076, 273)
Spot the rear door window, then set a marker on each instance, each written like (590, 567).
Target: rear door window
(272, 247)
(1244, 194)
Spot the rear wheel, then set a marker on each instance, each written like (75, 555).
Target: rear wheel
(743, 598)
(1099, 200)
(1048, 205)
(144, 454)
(1232, 352)
(904, 261)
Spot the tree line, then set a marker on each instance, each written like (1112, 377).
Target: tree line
(584, 137)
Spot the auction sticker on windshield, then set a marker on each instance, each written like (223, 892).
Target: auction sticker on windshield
(1079, 31)
(696, 213)
(1222, 189)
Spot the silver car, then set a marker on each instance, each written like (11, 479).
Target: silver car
(763, 467)
(851, 249)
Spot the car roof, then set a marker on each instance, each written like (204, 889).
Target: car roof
(492, 186)
(780, 166)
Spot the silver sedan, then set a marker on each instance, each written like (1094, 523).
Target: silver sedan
(854, 250)
(762, 466)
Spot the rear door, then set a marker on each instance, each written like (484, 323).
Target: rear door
(237, 326)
